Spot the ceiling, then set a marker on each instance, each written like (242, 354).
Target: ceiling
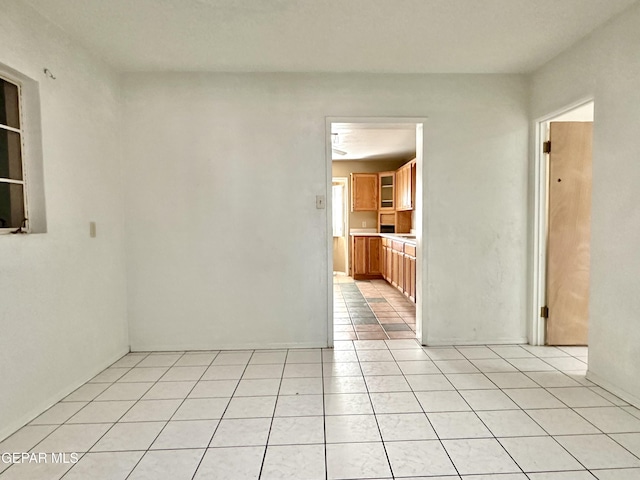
(385, 36)
(373, 141)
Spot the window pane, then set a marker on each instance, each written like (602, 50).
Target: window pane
(10, 155)
(9, 112)
(11, 205)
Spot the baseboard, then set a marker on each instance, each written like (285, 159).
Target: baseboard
(611, 388)
(490, 341)
(226, 346)
(20, 422)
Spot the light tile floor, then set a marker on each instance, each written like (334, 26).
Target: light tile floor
(366, 409)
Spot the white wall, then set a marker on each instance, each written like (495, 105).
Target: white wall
(221, 176)
(62, 294)
(606, 66)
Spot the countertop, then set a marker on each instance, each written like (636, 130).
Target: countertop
(404, 237)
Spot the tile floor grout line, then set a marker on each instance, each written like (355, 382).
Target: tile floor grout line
(373, 411)
(273, 414)
(127, 411)
(324, 414)
(427, 416)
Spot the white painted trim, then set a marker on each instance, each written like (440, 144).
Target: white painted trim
(421, 254)
(44, 405)
(611, 388)
(225, 347)
(539, 247)
(443, 342)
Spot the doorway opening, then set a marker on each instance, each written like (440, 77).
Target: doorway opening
(375, 215)
(562, 226)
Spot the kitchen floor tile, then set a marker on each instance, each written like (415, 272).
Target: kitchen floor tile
(395, 402)
(479, 456)
(297, 430)
(299, 406)
(242, 432)
(231, 463)
(104, 466)
(73, 438)
(294, 462)
(356, 461)
(185, 434)
(250, 407)
(453, 425)
(419, 458)
(129, 436)
(391, 383)
(152, 410)
(610, 419)
(488, 400)
(201, 409)
(539, 454)
(510, 423)
(445, 401)
(352, 429)
(174, 464)
(562, 421)
(598, 451)
(405, 426)
(347, 404)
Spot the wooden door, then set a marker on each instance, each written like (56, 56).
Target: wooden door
(568, 254)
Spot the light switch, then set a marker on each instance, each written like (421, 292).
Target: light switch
(92, 229)
(320, 202)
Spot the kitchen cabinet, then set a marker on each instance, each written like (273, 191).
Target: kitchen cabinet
(364, 192)
(409, 287)
(394, 222)
(386, 194)
(405, 186)
(367, 257)
(399, 266)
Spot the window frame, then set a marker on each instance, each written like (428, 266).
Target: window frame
(24, 228)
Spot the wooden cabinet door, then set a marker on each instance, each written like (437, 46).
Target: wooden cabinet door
(364, 192)
(360, 260)
(374, 248)
(412, 185)
(383, 261)
(399, 189)
(400, 271)
(389, 267)
(568, 261)
(410, 277)
(394, 267)
(386, 194)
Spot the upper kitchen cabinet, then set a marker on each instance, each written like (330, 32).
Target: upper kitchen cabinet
(364, 192)
(405, 186)
(386, 183)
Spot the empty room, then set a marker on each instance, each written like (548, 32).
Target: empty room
(170, 230)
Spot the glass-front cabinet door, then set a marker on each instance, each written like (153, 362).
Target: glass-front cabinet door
(387, 191)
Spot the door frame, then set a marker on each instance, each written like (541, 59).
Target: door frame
(420, 227)
(537, 329)
(345, 182)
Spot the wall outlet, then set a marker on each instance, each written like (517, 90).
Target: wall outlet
(364, 224)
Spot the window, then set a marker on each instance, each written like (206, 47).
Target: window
(12, 181)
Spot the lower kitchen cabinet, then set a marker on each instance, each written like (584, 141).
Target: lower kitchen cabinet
(367, 257)
(399, 266)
